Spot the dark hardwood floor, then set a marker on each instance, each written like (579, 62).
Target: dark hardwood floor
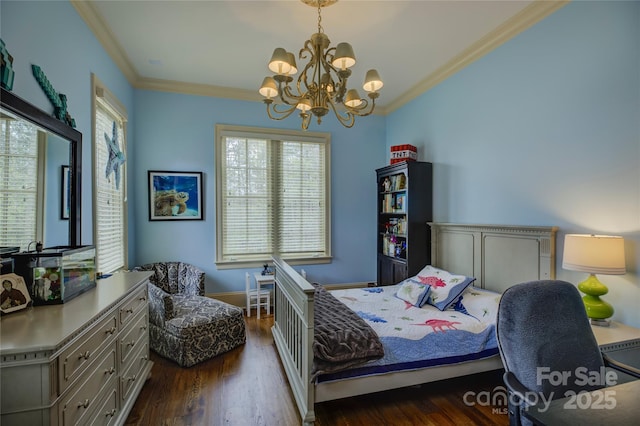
(247, 386)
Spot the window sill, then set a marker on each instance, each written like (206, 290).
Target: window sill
(258, 263)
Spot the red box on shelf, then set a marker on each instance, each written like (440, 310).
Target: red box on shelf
(403, 153)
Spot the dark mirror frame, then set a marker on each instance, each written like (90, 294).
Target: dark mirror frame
(33, 114)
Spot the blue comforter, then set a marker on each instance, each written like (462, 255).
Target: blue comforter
(421, 337)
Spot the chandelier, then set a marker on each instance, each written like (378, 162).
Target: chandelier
(322, 83)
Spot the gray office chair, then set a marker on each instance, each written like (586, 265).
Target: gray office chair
(543, 331)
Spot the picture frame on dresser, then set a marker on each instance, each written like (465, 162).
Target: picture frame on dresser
(14, 296)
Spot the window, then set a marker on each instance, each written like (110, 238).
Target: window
(21, 163)
(109, 180)
(272, 196)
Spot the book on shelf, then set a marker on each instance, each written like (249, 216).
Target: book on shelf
(387, 203)
(400, 203)
(398, 182)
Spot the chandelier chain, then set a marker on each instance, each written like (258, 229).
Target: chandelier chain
(320, 29)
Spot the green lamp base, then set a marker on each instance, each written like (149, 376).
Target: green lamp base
(596, 308)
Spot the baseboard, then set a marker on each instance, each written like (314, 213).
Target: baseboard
(233, 298)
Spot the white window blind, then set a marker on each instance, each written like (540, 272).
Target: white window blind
(110, 236)
(272, 195)
(301, 189)
(18, 183)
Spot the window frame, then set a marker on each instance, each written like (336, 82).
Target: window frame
(100, 94)
(224, 130)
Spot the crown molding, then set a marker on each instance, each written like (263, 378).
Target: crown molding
(197, 89)
(526, 18)
(105, 36)
(529, 16)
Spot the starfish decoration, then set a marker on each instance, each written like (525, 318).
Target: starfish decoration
(116, 157)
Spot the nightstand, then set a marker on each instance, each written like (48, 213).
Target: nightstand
(621, 343)
(616, 336)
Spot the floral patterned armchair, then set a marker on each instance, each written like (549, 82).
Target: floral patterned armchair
(185, 325)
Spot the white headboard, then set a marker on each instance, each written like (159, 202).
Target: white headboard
(499, 256)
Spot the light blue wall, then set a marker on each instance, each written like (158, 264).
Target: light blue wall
(52, 35)
(56, 229)
(545, 130)
(176, 132)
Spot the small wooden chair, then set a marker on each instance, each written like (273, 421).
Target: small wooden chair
(256, 299)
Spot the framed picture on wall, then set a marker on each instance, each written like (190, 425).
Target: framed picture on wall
(65, 194)
(175, 195)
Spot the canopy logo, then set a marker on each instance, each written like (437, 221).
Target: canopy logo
(604, 399)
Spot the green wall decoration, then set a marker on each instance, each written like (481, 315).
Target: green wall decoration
(58, 100)
(6, 67)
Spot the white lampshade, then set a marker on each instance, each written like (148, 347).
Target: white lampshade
(292, 63)
(595, 254)
(372, 81)
(344, 57)
(353, 99)
(279, 62)
(326, 82)
(268, 88)
(304, 105)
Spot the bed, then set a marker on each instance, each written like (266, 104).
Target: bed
(497, 256)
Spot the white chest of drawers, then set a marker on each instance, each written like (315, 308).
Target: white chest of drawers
(83, 362)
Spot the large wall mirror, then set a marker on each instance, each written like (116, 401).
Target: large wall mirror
(40, 170)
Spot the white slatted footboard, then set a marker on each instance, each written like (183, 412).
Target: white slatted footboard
(293, 334)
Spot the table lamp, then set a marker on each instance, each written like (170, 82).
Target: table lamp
(595, 254)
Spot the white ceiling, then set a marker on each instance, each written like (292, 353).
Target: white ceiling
(222, 47)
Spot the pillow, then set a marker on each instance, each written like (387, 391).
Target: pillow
(445, 286)
(414, 292)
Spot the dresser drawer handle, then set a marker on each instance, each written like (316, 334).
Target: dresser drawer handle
(84, 404)
(131, 379)
(142, 299)
(111, 370)
(110, 413)
(131, 343)
(129, 311)
(111, 330)
(85, 355)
